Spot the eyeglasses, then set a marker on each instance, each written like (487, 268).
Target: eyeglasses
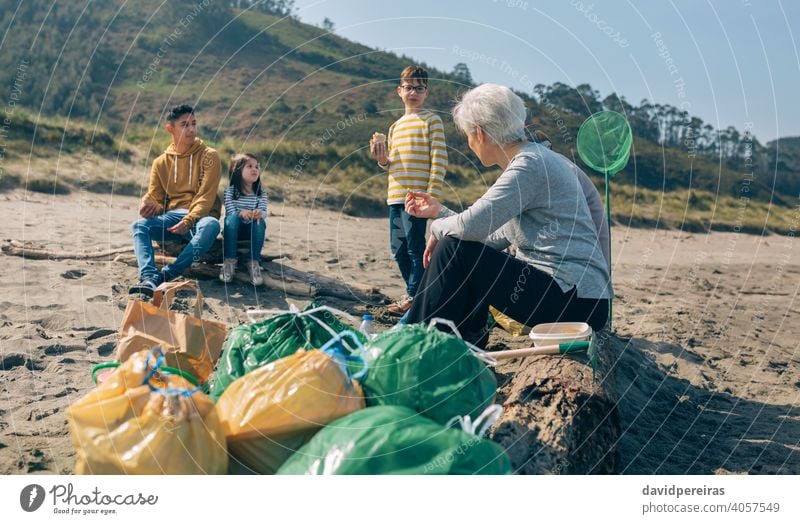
(417, 89)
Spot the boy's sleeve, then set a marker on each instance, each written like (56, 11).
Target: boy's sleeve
(155, 191)
(204, 200)
(438, 156)
(388, 149)
(230, 208)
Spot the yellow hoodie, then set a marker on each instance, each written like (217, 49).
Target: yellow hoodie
(187, 181)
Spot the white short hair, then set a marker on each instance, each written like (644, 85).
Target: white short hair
(496, 109)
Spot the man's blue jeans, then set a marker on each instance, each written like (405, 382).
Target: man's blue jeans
(237, 229)
(407, 242)
(201, 237)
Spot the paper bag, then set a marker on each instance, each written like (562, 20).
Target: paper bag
(189, 343)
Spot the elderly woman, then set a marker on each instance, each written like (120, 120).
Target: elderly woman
(537, 206)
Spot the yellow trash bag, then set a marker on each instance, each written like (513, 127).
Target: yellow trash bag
(509, 324)
(140, 420)
(269, 413)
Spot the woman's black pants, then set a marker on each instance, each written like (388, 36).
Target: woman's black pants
(465, 278)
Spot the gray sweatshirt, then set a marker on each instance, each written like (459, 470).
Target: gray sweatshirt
(596, 209)
(538, 206)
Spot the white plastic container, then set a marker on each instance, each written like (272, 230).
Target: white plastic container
(560, 332)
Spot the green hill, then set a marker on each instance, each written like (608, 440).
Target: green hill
(96, 77)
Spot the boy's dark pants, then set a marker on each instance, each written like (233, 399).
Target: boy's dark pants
(407, 243)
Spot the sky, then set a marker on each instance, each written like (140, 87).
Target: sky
(732, 63)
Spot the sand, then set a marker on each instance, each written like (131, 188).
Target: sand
(707, 383)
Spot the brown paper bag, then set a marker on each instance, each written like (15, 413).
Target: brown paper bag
(189, 343)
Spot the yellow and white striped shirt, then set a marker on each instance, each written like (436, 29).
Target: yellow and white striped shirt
(417, 156)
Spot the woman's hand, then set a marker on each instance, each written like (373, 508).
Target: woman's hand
(429, 247)
(255, 215)
(244, 214)
(422, 205)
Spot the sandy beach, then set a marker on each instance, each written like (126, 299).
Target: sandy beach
(708, 382)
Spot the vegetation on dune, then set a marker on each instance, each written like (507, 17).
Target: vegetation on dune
(94, 83)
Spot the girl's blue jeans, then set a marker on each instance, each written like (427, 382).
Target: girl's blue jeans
(237, 229)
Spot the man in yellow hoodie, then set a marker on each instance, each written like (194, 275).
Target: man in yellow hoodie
(181, 202)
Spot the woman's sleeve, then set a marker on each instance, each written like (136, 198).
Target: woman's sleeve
(597, 211)
(498, 240)
(508, 197)
(262, 202)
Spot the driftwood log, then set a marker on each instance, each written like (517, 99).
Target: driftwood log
(20, 249)
(557, 417)
(276, 276)
(285, 279)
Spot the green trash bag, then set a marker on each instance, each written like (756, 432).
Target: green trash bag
(395, 440)
(251, 346)
(432, 372)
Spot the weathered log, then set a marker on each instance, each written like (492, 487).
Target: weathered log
(214, 253)
(20, 249)
(282, 278)
(290, 287)
(557, 417)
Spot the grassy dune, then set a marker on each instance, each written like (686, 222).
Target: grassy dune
(56, 156)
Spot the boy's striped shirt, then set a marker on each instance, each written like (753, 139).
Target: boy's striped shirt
(417, 156)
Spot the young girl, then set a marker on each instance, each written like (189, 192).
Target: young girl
(245, 217)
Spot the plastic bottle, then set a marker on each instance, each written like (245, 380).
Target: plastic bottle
(366, 328)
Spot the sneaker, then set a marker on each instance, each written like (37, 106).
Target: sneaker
(146, 286)
(400, 307)
(228, 271)
(254, 268)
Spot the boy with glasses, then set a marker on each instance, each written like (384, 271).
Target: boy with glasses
(416, 160)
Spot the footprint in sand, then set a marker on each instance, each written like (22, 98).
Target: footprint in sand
(37, 414)
(100, 333)
(106, 349)
(60, 349)
(98, 298)
(73, 274)
(33, 461)
(13, 360)
(65, 392)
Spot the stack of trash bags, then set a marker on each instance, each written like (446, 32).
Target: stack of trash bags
(146, 418)
(299, 393)
(352, 406)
